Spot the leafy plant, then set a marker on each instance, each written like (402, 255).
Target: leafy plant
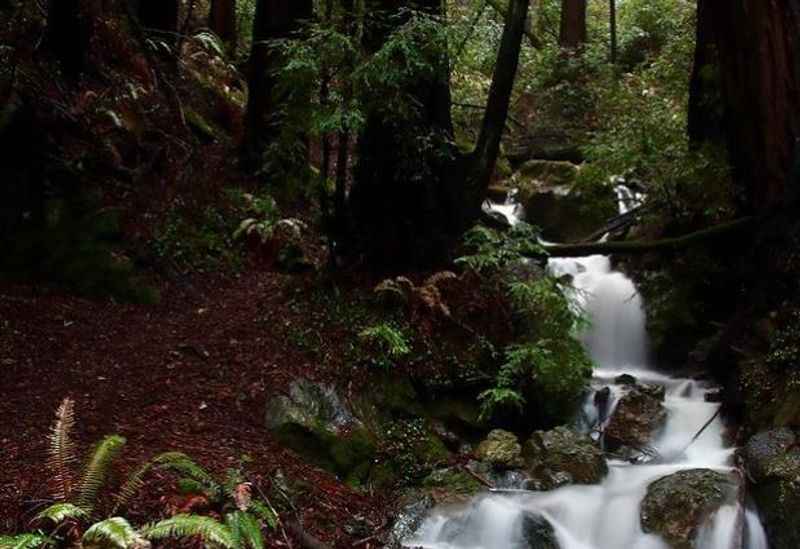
(491, 250)
(387, 343)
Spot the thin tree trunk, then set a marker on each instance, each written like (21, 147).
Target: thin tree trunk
(612, 22)
(484, 157)
(572, 33)
(222, 20)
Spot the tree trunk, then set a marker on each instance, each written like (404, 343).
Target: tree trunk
(222, 20)
(612, 24)
(274, 19)
(159, 15)
(758, 47)
(572, 34)
(398, 192)
(484, 157)
(68, 34)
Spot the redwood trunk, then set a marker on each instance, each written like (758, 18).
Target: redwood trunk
(222, 20)
(572, 34)
(758, 48)
(159, 15)
(274, 19)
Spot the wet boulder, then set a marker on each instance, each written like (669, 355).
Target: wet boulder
(413, 510)
(562, 456)
(677, 506)
(552, 200)
(500, 449)
(311, 420)
(451, 485)
(537, 532)
(772, 459)
(638, 416)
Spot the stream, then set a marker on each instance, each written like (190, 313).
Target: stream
(607, 515)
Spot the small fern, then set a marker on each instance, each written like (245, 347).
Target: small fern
(97, 469)
(62, 450)
(114, 533)
(265, 512)
(25, 541)
(212, 532)
(60, 512)
(245, 529)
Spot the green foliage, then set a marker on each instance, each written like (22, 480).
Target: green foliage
(213, 533)
(116, 533)
(96, 470)
(784, 348)
(245, 529)
(386, 343)
(491, 250)
(25, 541)
(61, 512)
(264, 214)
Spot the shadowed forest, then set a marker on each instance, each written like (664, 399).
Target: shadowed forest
(440, 274)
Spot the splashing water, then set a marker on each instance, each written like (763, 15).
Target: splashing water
(606, 515)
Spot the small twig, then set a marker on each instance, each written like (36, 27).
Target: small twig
(702, 429)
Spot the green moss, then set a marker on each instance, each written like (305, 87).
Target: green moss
(454, 480)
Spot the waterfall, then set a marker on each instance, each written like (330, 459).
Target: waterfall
(607, 515)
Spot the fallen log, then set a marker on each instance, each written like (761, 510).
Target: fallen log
(641, 246)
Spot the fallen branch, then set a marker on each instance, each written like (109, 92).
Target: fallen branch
(640, 247)
(479, 478)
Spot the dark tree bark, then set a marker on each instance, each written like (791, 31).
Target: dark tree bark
(222, 20)
(482, 162)
(159, 15)
(399, 191)
(409, 206)
(705, 102)
(68, 34)
(572, 34)
(274, 19)
(757, 44)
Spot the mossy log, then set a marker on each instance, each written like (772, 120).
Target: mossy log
(641, 247)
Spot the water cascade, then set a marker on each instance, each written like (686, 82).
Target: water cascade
(607, 515)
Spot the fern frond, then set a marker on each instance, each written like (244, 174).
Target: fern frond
(115, 532)
(62, 456)
(168, 460)
(438, 278)
(266, 513)
(97, 469)
(60, 512)
(25, 541)
(212, 532)
(245, 529)
(182, 464)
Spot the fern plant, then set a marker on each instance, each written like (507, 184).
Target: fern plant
(385, 343)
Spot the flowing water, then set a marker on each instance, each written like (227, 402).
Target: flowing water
(606, 515)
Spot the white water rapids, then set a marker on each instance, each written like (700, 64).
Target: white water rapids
(607, 515)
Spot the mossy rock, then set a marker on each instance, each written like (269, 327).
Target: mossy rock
(451, 485)
(562, 456)
(677, 506)
(549, 172)
(773, 463)
(501, 449)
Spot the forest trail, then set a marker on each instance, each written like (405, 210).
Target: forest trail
(189, 374)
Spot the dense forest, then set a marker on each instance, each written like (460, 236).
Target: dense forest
(442, 274)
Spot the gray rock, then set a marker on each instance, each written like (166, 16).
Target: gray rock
(313, 406)
(560, 456)
(501, 449)
(772, 459)
(678, 505)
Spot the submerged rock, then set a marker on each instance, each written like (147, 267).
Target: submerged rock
(638, 416)
(501, 449)
(772, 459)
(678, 505)
(537, 532)
(563, 456)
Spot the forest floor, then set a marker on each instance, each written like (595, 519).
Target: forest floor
(190, 374)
